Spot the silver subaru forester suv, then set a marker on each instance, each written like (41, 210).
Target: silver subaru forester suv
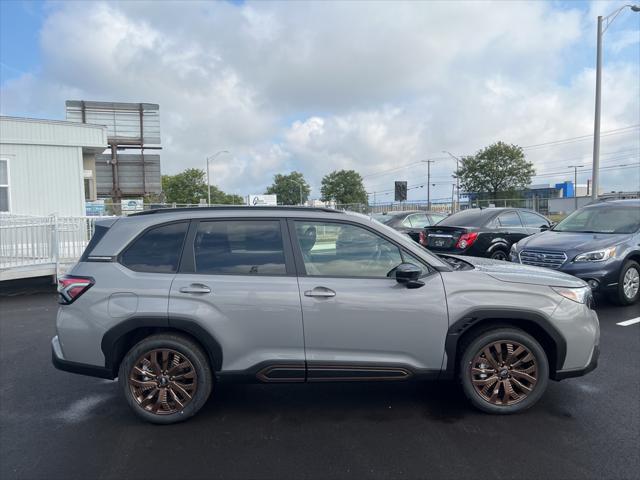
(173, 301)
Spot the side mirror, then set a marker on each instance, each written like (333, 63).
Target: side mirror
(408, 274)
(545, 227)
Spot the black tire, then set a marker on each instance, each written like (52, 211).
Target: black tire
(620, 296)
(499, 255)
(187, 352)
(474, 349)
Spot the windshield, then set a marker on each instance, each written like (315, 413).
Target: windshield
(466, 218)
(614, 219)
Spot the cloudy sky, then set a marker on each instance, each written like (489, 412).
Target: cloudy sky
(317, 86)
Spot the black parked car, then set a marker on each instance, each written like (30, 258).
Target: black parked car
(411, 222)
(599, 243)
(483, 232)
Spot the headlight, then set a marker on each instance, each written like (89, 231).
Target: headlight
(579, 295)
(596, 255)
(513, 254)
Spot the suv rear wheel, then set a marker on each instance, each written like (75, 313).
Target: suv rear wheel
(166, 378)
(629, 283)
(504, 371)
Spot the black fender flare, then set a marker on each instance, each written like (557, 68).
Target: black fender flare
(480, 316)
(113, 347)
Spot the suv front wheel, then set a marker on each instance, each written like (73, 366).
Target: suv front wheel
(629, 283)
(504, 371)
(166, 378)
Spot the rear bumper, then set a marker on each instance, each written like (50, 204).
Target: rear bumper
(579, 372)
(60, 363)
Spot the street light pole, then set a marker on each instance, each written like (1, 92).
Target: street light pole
(300, 187)
(211, 157)
(603, 24)
(575, 183)
(457, 179)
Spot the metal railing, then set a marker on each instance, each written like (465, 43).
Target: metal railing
(30, 241)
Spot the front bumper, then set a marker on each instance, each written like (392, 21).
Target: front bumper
(605, 273)
(58, 360)
(578, 372)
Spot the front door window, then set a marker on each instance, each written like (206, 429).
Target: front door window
(343, 250)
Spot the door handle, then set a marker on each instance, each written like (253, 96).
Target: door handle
(196, 288)
(320, 292)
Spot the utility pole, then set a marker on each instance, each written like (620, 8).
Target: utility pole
(457, 179)
(603, 24)
(453, 187)
(428, 162)
(575, 182)
(211, 157)
(596, 122)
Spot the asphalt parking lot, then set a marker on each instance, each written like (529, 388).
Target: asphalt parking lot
(58, 425)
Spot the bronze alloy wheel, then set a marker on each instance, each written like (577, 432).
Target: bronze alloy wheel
(504, 372)
(163, 381)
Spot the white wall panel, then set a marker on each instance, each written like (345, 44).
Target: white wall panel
(45, 179)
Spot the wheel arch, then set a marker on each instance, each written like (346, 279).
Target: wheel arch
(499, 243)
(118, 340)
(476, 322)
(634, 255)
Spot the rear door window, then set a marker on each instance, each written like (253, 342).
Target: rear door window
(239, 247)
(158, 250)
(510, 220)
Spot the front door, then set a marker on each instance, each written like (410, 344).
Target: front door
(358, 322)
(237, 281)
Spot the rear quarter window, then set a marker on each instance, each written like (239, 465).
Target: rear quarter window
(98, 233)
(158, 250)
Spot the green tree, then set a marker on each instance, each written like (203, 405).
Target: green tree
(343, 186)
(190, 186)
(495, 170)
(185, 187)
(287, 188)
(218, 197)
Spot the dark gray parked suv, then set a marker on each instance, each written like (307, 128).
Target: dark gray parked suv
(173, 301)
(599, 243)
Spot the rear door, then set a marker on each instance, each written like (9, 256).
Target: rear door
(511, 227)
(358, 322)
(237, 280)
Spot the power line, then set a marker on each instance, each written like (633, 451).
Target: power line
(616, 131)
(607, 133)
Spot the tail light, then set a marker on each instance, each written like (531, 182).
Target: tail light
(70, 287)
(466, 240)
(422, 238)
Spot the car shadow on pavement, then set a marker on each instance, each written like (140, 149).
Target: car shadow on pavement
(371, 401)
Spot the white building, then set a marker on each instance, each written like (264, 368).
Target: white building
(48, 166)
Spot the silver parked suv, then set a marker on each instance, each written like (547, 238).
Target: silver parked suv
(173, 301)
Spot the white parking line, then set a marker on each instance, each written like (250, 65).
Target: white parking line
(631, 321)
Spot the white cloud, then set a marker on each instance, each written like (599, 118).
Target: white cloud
(314, 86)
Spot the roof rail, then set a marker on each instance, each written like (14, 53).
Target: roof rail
(234, 207)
